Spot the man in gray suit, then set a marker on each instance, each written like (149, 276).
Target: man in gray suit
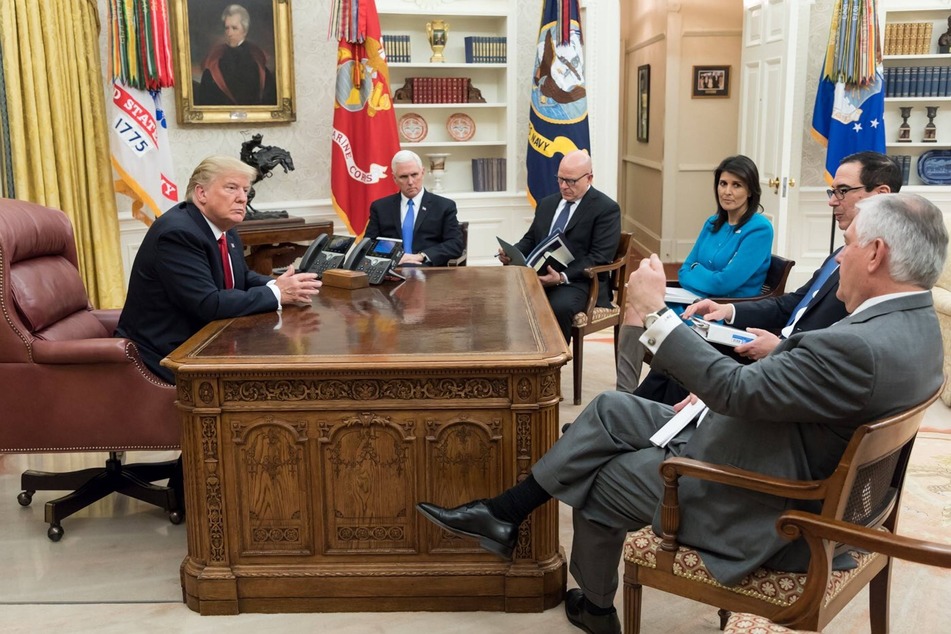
(789, 415)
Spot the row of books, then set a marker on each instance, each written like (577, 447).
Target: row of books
(483, 49)
(918, 81)
(903, 161)
(908, 38)
(397, 48)
(488, 174)
(440, 89)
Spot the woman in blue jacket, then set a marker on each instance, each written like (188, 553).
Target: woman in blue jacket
(732, 253)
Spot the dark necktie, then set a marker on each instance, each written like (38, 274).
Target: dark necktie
(225, 261)
(562, 218)
(408, 227)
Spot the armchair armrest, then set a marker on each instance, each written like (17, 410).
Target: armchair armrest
(793, 524)
(673, 468)
(83, 351)
(594, 290)
(108, 317)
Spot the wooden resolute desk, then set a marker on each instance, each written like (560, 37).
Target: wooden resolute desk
(276, 242)
(306, 447)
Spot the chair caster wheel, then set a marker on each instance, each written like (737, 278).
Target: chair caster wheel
(25, 497)
(55, 532)
(176, 517)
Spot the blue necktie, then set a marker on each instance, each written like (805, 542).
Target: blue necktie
(408, 227)
(824, 273)
(562, 218)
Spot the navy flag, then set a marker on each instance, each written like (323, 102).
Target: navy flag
(558, 120)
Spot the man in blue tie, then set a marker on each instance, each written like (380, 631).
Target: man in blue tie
(810, 307)
(424, 221)
(591, 222)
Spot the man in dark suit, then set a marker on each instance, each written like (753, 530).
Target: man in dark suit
(190, 268)
(592, 226)
(789, 415)
(812, 306)
(433, 235)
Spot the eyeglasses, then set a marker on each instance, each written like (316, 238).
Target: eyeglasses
(571, 182)
(840, 192)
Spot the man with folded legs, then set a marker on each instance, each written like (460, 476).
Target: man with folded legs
(789, 415)
(812, 306)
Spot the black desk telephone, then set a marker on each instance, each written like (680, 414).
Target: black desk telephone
(375, 257)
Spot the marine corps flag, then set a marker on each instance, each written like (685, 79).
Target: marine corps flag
(558, 119)
(364, 133)
(849, 114)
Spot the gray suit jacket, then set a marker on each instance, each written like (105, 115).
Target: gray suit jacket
(791, 415)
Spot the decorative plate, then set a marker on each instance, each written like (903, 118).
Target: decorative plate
(413, 127)
(461, 127)
(934, 167)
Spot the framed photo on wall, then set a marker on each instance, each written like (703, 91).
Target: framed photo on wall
(643, 102)
(235, 61)
(711, 81)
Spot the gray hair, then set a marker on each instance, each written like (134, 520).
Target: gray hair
(241, 12)
(214, 167)
(405, 156)
(914, 230)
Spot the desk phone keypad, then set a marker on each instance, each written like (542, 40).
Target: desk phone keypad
(327, 262)
(375, 268)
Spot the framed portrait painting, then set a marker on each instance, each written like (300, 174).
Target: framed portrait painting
(235, 61)
(643, 102)
(711, 81)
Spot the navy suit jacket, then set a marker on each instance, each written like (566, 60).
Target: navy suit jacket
(772, 313)
(177, 286)
(436, 230)
(592, 234)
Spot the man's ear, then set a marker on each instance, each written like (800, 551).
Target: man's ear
(879, 255)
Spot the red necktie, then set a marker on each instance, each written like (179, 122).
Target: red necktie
(226, 262)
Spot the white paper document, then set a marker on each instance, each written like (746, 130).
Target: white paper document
(676, 424)
(678, 295)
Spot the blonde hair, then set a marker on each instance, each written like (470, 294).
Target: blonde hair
(213, 168)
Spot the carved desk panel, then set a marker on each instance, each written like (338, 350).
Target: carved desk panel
(309, 437)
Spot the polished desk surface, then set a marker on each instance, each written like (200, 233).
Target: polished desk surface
(447, 316)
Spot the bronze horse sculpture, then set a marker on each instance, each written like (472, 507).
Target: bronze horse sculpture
(264, 158)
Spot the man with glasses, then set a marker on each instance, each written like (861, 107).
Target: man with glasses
(591, 222)
(812, 306)
(425, 222)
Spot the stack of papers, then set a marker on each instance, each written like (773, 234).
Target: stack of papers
(676, 424)
(678, 295)
(553, 251)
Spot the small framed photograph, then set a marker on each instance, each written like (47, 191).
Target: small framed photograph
(234, 62)
(643, 102)
(711, 81)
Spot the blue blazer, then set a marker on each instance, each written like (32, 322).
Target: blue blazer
(177, 285)
(436, 230)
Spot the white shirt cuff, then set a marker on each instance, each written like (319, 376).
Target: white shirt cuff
(654, 336)
(732, 316)
(277, 293)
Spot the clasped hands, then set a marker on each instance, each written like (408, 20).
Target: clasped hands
(297, 288)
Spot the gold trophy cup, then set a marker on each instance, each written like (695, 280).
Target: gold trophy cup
(436, 32)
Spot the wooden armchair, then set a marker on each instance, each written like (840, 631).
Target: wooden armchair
(864, 489)
(596, 318)
(823, 534)
(461, 260)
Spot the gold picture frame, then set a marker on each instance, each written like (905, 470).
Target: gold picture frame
(201, 32)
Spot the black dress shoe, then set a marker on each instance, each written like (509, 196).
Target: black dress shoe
(475, 520)
(579, 616)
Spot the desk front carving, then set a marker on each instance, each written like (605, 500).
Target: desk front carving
(306, 449)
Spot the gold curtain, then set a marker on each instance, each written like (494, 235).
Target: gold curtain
(58, 129)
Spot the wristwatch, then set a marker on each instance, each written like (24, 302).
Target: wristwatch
(653, 317)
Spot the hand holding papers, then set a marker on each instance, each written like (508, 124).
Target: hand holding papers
(717, 333)
(553, 251)
(676, 424)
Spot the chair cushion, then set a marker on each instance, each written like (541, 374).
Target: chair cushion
(744, 623)
(51, 300)
(771, 586)
(598, 314)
